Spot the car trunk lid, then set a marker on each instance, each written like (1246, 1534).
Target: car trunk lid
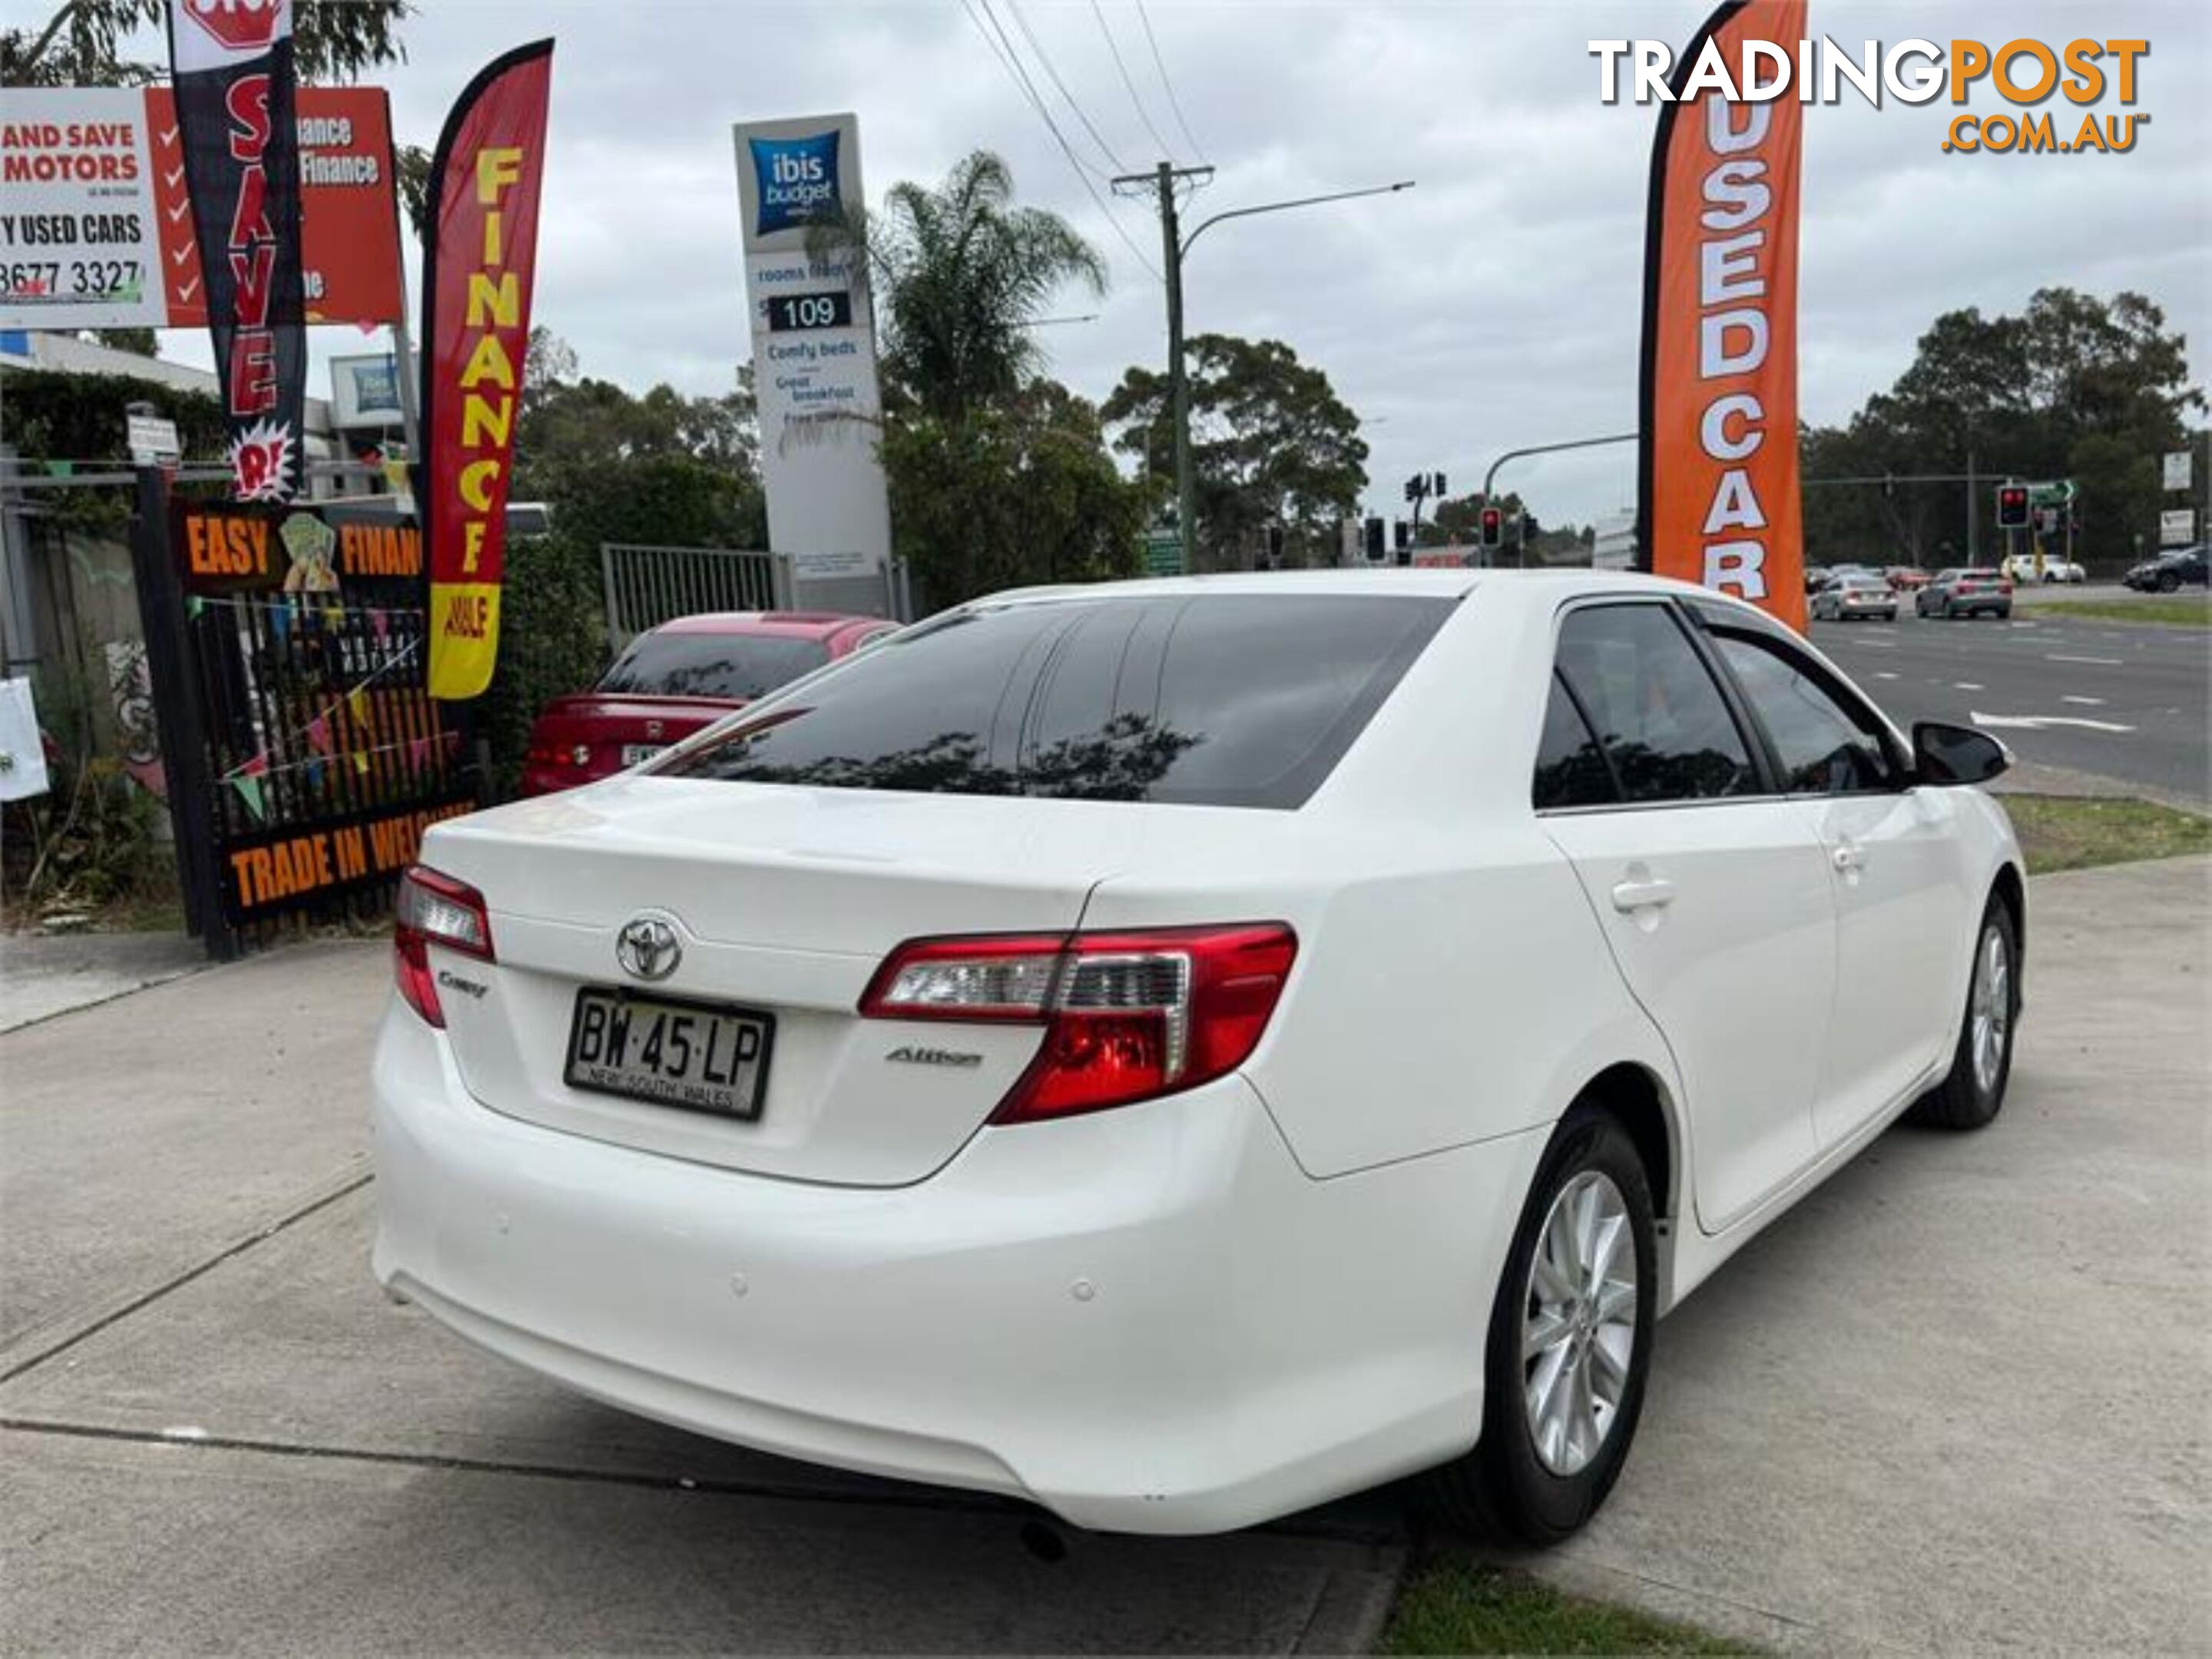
(782, 901)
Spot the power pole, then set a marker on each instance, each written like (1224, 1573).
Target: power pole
(1162, 182)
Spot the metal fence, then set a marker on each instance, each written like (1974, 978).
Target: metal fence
(648, 586)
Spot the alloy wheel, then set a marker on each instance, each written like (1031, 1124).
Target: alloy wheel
(1578, 1328)
(1990, 1010)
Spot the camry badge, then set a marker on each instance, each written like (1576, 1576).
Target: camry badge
(646, 947)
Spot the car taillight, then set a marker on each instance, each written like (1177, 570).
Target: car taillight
(434, 909)
(1128, 1016)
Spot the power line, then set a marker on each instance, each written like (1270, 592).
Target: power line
(1131, 85)
(1044, 58)
(1174, 102)
(1028, 89)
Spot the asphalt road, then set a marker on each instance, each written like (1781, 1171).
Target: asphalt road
(2128, 702)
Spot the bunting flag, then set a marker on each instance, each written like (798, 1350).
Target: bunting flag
(256, 767)
(379, 623)
(280, 623)
(249, 791)
(1718, 485)
(418, 751)
(318, 732)
(194, 605)
(479, 260)
(240, 137)
(357, 702)
(314, 770)
(360, 762)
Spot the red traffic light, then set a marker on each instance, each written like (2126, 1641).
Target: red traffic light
(2012, 507)
(1493, 527)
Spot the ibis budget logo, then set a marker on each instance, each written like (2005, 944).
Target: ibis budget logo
(796, 180)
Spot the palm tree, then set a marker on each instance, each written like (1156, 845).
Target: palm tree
(960, 274)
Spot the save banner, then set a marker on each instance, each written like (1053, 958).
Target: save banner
(95, 220)
(236, 115)
(1718, 482)
(476, 270)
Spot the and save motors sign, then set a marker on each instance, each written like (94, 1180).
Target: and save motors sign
(96, 225)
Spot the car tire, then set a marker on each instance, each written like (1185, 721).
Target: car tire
(1981, 1063)
(1507, 1487)
(2169, 583)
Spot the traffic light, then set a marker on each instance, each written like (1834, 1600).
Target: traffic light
(1274, 547)
(2012, 507)
(1401, 538)
(1373, 534)
(1441, 492)
(1493, 527)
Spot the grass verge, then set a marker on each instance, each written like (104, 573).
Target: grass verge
(2067, 832)
(2167, 610)
(1455, 1605)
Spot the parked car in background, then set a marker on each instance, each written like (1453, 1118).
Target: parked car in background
(1905, 578)
(1816, 577)
(2169, 571)
(1968, 592)
(2061, 569)
(1848, 599)
(1043, 1053)
(677, 678)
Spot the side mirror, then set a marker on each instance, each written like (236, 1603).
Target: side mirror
(1945, 755)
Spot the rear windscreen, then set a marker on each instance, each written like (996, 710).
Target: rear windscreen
(1223, 699)
(738, 666)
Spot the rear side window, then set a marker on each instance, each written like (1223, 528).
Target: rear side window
(1226, 699)
(1656, 710)
(738, 666)
(1571, 768)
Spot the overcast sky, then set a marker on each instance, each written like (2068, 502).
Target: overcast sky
(1496, 305)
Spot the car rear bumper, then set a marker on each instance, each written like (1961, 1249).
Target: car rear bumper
(1148, 1319)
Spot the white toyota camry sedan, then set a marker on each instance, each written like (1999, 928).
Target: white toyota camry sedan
(1182, 1051)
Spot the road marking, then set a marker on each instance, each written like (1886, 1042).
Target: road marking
(1883, 674)
(2038, 722)
(2085, 702)
(1966, 685)
(2100, 662)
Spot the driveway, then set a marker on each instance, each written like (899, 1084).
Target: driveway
(1955, 1399)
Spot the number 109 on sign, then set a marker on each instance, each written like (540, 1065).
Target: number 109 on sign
(788, 313)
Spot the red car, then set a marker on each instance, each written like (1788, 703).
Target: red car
(678, 677)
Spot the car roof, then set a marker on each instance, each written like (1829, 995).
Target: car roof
(1537, 588)
(776, 624)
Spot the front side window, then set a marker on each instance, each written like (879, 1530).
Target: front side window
(1824, 750)
(1661, 718)
(1219, 700)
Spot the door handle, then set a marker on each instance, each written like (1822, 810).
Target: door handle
(1652, 893)
(1848, 859)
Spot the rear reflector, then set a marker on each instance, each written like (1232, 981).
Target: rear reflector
(434, 909)
(1128, 1016)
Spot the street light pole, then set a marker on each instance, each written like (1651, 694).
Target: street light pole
(1174, 248)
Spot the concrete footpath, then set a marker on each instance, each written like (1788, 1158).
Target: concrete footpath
(1954, 1400)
